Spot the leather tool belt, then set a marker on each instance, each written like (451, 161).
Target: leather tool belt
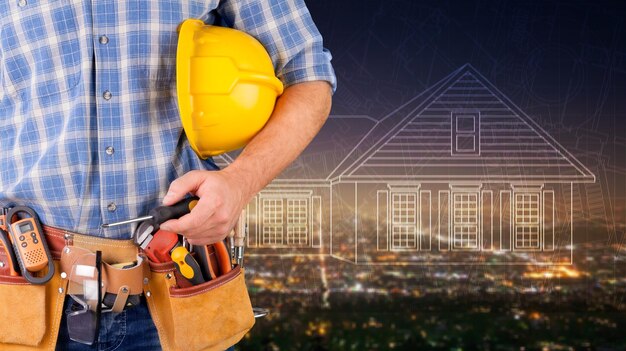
(31, 314)
(34, 311)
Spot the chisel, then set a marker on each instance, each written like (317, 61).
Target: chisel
(241, 229)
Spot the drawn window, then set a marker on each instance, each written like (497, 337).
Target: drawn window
(272, 235)
(404, 221)
(272, 211)
(465, 234)
(465, 133)
(272, 222)
(527, 221)
(297, 222)
(404, 237)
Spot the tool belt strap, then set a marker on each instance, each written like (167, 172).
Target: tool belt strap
(113, 251)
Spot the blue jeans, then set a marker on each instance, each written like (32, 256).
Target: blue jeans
(132, 329)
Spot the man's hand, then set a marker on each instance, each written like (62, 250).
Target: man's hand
(299, 114)
(222, 198)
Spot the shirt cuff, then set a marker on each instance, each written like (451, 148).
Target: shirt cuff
(299, 70)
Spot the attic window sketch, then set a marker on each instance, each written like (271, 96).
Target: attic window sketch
(527, 225)
(404, 221)
(465, 133)
(465, 226)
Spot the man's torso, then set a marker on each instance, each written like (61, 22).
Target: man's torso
(89, 125)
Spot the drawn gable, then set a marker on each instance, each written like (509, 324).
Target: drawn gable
(470, 131)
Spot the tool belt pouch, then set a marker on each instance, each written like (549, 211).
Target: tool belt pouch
(30, 314)
(119, 282)
(211, 316)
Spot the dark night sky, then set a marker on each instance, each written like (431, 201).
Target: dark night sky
(564, 63)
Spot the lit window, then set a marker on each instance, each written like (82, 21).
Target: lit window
(297, 222)
(465, 235)
(272, 233)
(404, 221)
(272, 211)
(527, 224)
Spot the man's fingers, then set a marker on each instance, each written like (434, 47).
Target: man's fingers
(203, 241)
(188, 183)
(183, 225)
(171, 225)
(210, 218)
(195, 219)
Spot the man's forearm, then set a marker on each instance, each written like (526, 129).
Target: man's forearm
(298, 116)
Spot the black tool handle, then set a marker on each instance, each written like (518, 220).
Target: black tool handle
(162, 214)
(203, 259)
(197, 278)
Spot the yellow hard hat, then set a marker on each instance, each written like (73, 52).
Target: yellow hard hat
(226, 87)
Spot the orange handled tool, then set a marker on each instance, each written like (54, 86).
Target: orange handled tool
(3, 219)
(164, 246)
(5, 242)
(214, 259)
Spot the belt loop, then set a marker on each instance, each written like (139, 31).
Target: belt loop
(120, 299)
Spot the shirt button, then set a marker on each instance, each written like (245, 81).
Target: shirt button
(107, 95)
(104, 40)
(21, 3)
(109, 150)
(112, 207)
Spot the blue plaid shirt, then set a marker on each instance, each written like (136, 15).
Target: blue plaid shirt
(89, 124)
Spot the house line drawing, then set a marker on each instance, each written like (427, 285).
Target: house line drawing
(291, 216)
(457, 175)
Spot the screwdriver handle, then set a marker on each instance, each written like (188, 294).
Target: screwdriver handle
(162, 214)
(187, 265)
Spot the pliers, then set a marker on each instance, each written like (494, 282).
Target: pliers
(162, 246)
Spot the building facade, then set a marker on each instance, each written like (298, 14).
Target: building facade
(458, 175)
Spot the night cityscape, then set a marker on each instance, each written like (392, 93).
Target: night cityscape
(577, 307)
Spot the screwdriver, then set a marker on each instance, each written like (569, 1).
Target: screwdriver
(161, 214)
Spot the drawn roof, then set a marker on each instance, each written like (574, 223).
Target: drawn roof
(414, 141)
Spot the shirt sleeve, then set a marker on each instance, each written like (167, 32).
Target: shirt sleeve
(287, 31)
